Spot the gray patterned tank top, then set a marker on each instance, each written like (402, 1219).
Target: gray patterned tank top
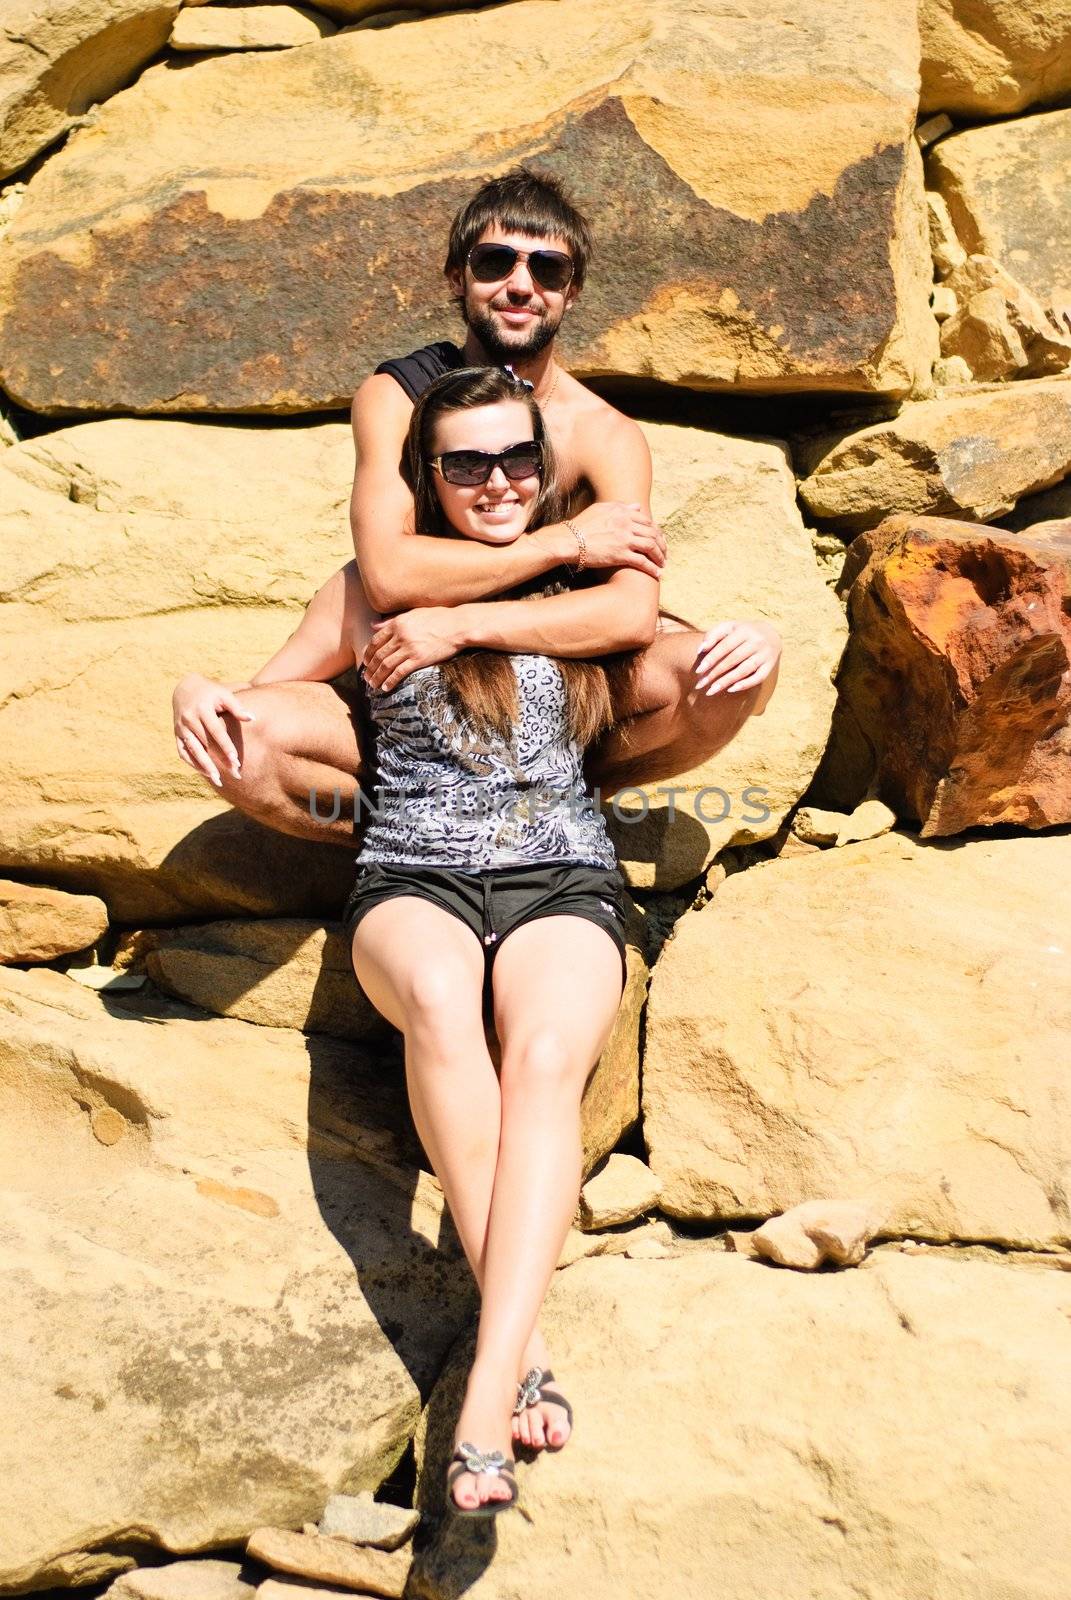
(445, 797)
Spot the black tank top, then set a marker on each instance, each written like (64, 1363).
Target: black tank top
(416, 372)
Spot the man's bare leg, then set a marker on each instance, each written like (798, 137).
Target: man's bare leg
(668, 727)
(302, 742)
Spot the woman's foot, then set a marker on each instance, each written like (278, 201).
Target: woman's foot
(546, 1422)
(484, 1423)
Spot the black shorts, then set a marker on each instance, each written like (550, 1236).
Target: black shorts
(495, 902)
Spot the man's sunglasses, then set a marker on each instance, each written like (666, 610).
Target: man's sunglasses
(493, 263)
(470, 467)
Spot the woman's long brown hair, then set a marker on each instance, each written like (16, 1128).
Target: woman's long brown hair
(480, 684)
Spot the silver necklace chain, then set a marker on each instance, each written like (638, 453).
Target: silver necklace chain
(545, 399)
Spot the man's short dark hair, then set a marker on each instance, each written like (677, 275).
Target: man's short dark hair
(521, 201)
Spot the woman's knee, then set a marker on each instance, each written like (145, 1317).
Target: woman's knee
(443, 997)
(544, 1061)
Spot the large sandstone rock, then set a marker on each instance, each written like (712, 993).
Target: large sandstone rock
(225, 1280)
(968, 455)
(59, 56)
(985, 58)
(737, 549)
(263, 27)
(900, 1430)
(1006, 188)
(294, 265)
(39, 924)
(204, 543)
(356, 11)
(207, 540)
(955, 689)
(279, 972)
(932, 1084)
(299, 975)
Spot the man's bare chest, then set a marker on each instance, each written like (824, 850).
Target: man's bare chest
(570, 460)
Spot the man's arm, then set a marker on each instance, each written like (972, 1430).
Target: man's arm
(594, 621)
(617, 613)
(401, 569)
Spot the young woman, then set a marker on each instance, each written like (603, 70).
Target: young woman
(487, 883)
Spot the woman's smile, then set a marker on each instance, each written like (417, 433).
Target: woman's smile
(497, 510)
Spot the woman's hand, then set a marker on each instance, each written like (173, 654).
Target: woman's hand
(736, 655)
(419, 638)
(200, 732)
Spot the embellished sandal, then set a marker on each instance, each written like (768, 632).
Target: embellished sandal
(466, 1458)
(533, 1390)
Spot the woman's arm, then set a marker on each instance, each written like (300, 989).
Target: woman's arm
(334, 631)
(326, 640)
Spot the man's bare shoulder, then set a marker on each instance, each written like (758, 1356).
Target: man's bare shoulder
(596, 425)
(380, 399)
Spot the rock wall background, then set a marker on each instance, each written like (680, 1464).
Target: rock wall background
(834, 283)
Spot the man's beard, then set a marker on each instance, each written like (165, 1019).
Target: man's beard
(522, 348)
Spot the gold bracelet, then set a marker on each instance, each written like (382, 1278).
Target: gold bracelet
(578, 534)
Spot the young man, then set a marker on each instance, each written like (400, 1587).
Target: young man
(516, 263)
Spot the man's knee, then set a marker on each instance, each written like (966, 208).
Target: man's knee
(261, 741)
(708, 721)
(723, 712)
(669, 622)
(289, 724)
(308, 720)
(697, 706)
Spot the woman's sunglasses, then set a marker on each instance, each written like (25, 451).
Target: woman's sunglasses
(470, 467)
(493, 263)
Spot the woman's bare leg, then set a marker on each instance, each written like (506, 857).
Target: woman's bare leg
(557, 988)
(453, 1086)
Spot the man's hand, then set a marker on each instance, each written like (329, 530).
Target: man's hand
(621, 535)
(736, 655)
(418, 638)
(200, 732)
